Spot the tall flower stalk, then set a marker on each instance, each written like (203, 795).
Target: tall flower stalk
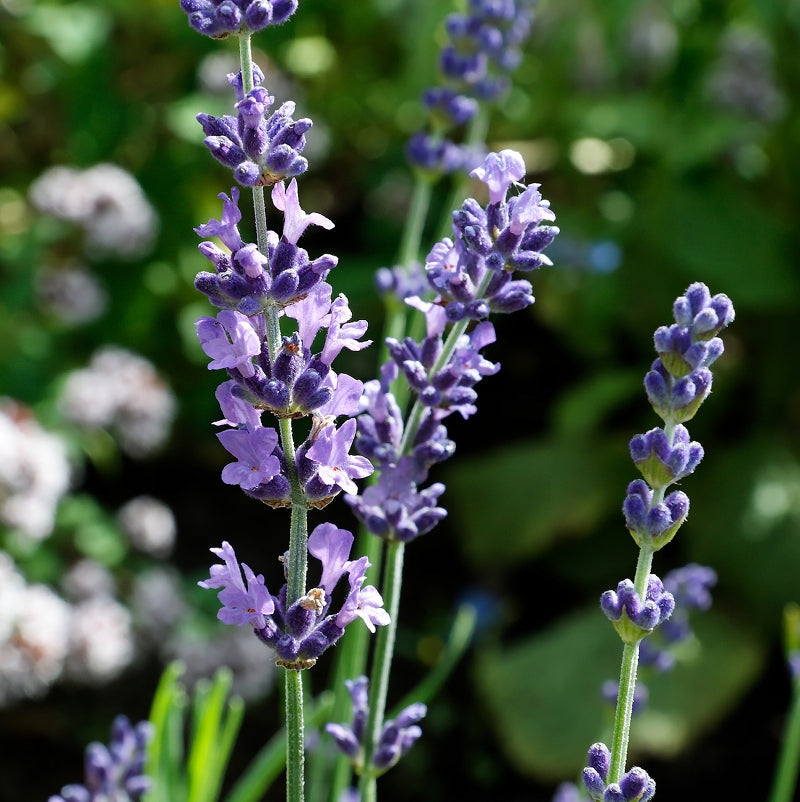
(257, 286)
(677, 384)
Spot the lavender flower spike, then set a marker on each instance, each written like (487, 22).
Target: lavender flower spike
(397, 735)
(634, 786)
(680, 379)
(113, 772)
(222, 18)
(632, 616)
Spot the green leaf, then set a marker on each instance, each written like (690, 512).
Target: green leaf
(532, 495)
(165, 752)
(745, 521)
(543, 693)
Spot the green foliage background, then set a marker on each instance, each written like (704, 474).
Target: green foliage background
(685, 188)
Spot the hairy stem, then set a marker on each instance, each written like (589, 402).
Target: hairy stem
(627, 681)
(381, 667)
(298, 526)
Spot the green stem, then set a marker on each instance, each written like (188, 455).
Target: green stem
(627, 681)
(786, 773)
(298, 525)
(295, 750)
(381, 667)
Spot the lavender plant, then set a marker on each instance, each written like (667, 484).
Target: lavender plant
(114, 771)
(677, 384)
(258, 285)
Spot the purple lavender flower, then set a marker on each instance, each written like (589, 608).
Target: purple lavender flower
(663, 460)
(261, 150)
(632, 616)
(249, 281)
(302, 631)
(253, 450)
(241, 604)
(483, 47)
(395, 509)
(295, 220)
(653, 524)
(335, 467)
(230, 340)
(472, 271)
(634, 786)
(113, 772)
(680, 378)
(397, 736)
(222, 18)
(676, 385)
(499, 171)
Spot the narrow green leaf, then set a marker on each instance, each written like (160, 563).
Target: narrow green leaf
(165, 752)
(208, 710)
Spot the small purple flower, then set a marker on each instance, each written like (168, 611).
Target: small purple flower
(236, 410)
(364, 603)
(253, 450)
(295, 220)
(632, 616)
(230, 341)
(331, 546)
(394, 509)
(226, 227)
(342, 334)
(529, 209)
(634, 786)
(311, 312)
(336, 467)
(663, 460)
(116, 771)
(653, 524)
(397, 736)
(499, 171)
(680, 379)
(261, 150)
(482, 47)
(241, 604)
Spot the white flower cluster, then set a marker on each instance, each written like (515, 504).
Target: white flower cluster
(120, 391)
(44, 638)
(34, 472)
(149, 525)
(71, 293)
(105, 201)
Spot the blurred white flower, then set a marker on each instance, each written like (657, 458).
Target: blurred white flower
(34, 472)
(157, 604)
(88, 578)
(122, 392)
(100, 640)
(71, 293)
(149, 525)
(33, 653)
(105, 201)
